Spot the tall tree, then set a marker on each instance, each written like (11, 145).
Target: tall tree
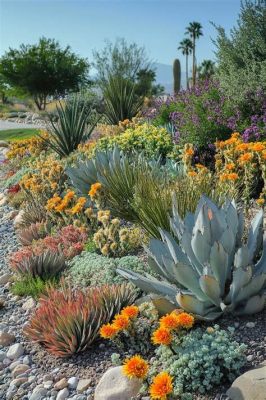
(120, 59)
(206, 69)
(186, 47)
(241, 56)
(194, 30)
(44, 69)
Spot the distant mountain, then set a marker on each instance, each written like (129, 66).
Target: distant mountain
(164, 76)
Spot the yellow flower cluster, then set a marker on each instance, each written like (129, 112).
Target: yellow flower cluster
(94, 189)
(143, 137)
(33, 146)
(69, 204)
(46, 178)
(121, 322)
(113, 240)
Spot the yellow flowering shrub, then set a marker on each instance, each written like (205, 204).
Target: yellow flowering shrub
(33, 147)
(152, 140)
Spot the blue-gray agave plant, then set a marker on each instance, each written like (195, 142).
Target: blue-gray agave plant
(211, 271)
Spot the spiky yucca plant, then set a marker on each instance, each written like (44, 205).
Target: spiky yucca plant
(120, 100)
(211, 271)
(71, 128)
(69, 321)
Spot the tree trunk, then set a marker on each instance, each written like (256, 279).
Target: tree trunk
(40, 102)
(4, 98)
(187, 69)
(193, 66)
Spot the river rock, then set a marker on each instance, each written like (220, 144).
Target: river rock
(15, 351)
(6, 338)
(5, 278)
(114, 385)
(249, 386)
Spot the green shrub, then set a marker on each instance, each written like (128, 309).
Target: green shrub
(91, 269)
(200, 360)
(33, 287)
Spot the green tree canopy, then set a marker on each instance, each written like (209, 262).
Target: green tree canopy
(242, 56)
(44, 69)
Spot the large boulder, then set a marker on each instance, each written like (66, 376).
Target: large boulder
(114, 385)
(250, 386)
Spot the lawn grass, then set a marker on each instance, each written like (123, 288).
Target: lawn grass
(16, 134)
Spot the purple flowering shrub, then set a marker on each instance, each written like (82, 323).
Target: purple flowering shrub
(200, 115)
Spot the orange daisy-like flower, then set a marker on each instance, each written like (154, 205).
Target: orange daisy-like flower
(260, 201)
(108, 331)
(200, 166)
(135, 367)
(242, 147)
(162, 336)
(186, 320)
(245, 157)
(169, 321)
(192, 173)
(94, 189)
(161, 386)
(258, 147)
(130, 311)
(230, 166)
(189, 152)
(121, 322)
(69, 195)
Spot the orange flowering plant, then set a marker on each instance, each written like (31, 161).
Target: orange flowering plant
(132, 328)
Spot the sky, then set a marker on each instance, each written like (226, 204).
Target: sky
(159, 25)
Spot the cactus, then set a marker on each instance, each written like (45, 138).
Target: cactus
(177, 75)
(211, 271)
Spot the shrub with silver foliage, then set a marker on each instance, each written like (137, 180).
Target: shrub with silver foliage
(211, 271)
(200, 360)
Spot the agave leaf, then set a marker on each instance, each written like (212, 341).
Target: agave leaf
(255, 235)
(176, 252)
(210, 286)
(218, 263)
(191, 304)
(253, 287)
(253, 305)
(149, 285)
(163, 305)
(260, 267)
(241, 277)
(186, 245)
(242, 257)
(200, 247)
(202, 224)
(232, 216)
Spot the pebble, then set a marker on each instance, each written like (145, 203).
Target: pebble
(38, 394)
(250, 324)
(6, 338)
(61, 384)
(15, 351)
(73, 382)
(63, 394)
(83, 385)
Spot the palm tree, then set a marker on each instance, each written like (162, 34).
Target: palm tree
(194, 30)
(206, 69)
(186, 47)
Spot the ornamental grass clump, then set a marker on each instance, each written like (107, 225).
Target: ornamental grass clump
(68, 321)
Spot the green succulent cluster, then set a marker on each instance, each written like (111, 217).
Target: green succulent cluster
(200, 360)
(206, 267)
(91, 269)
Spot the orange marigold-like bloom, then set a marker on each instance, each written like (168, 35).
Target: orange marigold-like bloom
(260, 201)
(258, 146)
(94, 189)
(108, 331)
(242, 147)
(135, 367)
(130, 311)
(121, 322)
(186, 320)
(69, 195)
(170, 321)
(245, 157)
(230, 166)
(162, 336)
(235, 135)
(161, 386)
(192, 173)
(189, 151)
(200, 166)
(230, 177)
